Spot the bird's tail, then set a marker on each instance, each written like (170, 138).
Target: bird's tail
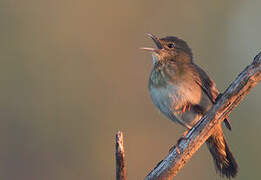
(223, 158)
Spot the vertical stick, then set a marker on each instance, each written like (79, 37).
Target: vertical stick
(120, 157)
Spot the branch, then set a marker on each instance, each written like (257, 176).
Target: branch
(246, 80)
(120, 157)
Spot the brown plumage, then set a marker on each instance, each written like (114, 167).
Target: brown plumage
(183, 92)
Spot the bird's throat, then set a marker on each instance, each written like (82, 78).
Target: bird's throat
(164, 73)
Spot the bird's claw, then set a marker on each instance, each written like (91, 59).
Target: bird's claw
(177, 144)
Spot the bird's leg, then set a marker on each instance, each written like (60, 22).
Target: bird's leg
(186, 107)
(189, 107)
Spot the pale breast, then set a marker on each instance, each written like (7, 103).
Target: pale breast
(171, 98)
(168, 100)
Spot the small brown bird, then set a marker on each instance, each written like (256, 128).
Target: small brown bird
(183, 92)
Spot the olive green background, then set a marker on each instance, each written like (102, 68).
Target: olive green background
(72, 74)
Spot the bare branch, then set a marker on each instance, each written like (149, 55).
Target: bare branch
(120, 157)
(246, 80)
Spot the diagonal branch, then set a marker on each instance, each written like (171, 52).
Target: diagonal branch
(120, 157)
(246, 80)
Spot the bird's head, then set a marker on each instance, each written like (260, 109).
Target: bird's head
(170, 48)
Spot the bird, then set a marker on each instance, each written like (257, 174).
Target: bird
(184, 93)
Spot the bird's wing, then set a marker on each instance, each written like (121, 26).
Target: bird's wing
(209, 87)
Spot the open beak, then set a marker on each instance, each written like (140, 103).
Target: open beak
(156, 41)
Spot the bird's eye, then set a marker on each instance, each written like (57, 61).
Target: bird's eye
(170, 45)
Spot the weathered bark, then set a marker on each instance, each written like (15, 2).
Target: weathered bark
(120, 158)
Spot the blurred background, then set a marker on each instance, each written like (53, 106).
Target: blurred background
(72, 75)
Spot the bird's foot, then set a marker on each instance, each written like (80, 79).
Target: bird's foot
(173, 147)
(177, 144)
